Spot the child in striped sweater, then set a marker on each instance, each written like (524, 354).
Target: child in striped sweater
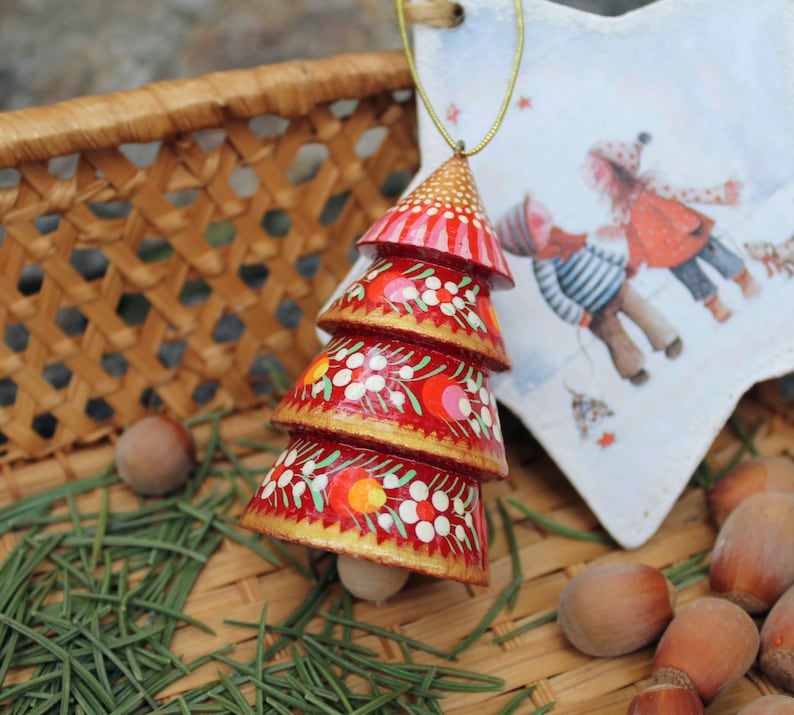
(587, 286)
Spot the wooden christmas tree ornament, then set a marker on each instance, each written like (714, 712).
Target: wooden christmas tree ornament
(394, 426)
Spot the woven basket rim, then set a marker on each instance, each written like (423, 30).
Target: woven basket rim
(166, 108)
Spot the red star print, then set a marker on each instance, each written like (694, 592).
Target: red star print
(606, 439)
(525, 103)
(453, 113)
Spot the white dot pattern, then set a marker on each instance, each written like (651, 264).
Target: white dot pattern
(444, 213)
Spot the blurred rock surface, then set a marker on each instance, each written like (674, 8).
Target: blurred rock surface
(51, 50)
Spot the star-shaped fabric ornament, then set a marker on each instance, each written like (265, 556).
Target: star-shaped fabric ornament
(646, 205)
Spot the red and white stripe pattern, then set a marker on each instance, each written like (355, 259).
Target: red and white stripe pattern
(444, 214)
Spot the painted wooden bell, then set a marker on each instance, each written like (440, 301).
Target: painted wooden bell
(394, 426)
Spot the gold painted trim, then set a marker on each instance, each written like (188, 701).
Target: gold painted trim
(402, 436)
(496, 355)
(354, 543)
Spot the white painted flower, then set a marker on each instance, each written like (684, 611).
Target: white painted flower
(320, 482)
(377, 362)
(440, 500)
(385, 521)
(460, 532)
(308, 467)
(475, 320)
(270, 487)
(425, 531)
(342, 378)
(340, 354)
(457, 506)
(391, 481)
(317, 388)
(429, 297)
(423, 510)
(469, 296)
(410, 293)
(406, 372)
(375, 383)
(285, 478)
(485, 396)
(292, 455)
(471, 386)
(487, 417)
(418, 490)
(397, 398)
(355, 360)
(475, 427)
(298, 488)
(268, 477)
(355, 391)
(433, 282)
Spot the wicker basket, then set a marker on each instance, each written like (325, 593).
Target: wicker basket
(169, 248)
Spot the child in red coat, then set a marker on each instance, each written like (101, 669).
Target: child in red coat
(661, 229)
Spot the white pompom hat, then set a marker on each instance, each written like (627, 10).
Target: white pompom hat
(623, 154)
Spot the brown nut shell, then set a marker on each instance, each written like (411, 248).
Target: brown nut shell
(754, 475)
(777, 642)
(751, 564)
(155, 455)
(707, 647)
(769, 705)
(665, 700)
(612, 610)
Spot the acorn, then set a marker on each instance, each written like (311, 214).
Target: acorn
(707, 647)
(155, 455)
(665, 700)
(777, 641)
(616, 609)
(751, 564)
(369, 580)
(757, 474)
(769, 705)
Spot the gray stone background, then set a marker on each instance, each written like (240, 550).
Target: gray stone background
(51, 50)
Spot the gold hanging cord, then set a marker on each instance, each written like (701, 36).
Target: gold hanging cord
(457, 146)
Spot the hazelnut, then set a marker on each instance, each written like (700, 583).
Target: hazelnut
(155, 455)
(707, 647)
(665, 700)
(612, 610)
(757, 474)
(750, 566)
(777, 642)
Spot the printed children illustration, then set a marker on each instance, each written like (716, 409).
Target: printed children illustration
(661, 229)
(587, 286)
(775, 258)
(588, 411)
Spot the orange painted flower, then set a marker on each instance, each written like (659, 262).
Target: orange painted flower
(355, 490)
(316, 370)
(366, 495)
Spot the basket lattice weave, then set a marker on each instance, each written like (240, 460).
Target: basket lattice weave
(169, 248)
(182, 251)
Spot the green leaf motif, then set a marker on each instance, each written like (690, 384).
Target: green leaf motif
(412, 399)
(398, 523)
(330, 459)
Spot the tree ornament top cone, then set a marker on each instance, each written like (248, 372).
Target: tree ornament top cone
(394, 425)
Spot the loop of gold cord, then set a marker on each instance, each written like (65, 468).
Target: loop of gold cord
(455, 144)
